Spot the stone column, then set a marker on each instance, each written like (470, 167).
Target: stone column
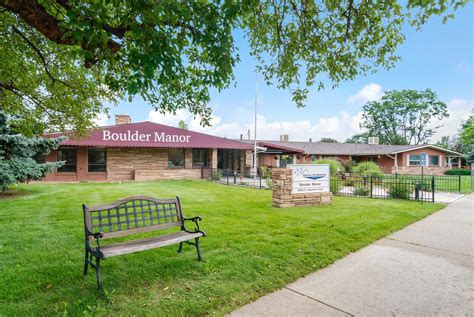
(188, 158)
(282, 197)
(214, 159)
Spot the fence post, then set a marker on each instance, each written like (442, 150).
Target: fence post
(371, 186)
(459, 187)
(432, 188)
(227, 175)
(235, 177)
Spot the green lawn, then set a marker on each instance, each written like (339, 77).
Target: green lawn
(444, 183)
(251, 248)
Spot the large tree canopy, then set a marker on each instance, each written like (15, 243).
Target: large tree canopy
(62, 59)
(404, 117)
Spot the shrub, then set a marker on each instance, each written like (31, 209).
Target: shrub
(367, 168)
(265, 172)
(335, 165)
(269, 182)
(217, 175)
(361, 191)
(400, 191)
(457, 171)
(349, 181)
(334, 186)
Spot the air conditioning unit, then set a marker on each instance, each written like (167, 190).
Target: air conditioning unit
(373, 140)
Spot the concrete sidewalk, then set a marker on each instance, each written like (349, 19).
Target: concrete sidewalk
(425, 269)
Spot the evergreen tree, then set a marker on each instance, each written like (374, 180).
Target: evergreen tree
(18, 152)
(470, 152)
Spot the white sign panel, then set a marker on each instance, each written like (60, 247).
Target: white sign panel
(310, 178)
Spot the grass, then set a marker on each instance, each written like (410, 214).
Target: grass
(444, 183)
(251, 248)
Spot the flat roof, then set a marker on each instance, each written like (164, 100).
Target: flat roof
(149, 134)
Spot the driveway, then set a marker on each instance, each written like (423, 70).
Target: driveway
(425, 269)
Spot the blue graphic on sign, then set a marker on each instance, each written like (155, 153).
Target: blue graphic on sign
(314, 177)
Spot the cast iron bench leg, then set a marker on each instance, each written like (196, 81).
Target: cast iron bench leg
(97, 268)
(180, 249)
(86, 264)
(198, 250)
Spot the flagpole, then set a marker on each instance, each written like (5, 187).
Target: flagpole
(255, 134)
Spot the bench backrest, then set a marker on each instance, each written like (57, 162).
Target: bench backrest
(131, 215)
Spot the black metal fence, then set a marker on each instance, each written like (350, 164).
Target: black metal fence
(231, 177)
(395, 186)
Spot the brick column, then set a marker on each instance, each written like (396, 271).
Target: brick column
(282, 183)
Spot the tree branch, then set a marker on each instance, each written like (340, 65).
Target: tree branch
(36, 16)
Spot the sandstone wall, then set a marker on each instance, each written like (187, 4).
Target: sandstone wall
(283, 198)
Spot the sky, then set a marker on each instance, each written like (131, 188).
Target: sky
(439, 57)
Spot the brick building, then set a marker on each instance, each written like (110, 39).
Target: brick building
(403, 159)
(145, 151)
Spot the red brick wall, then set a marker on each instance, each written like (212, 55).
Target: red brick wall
(81, 169)
(403, 159)
(267, 160)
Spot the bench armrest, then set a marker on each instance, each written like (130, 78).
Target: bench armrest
(98, 235)
(195, 220)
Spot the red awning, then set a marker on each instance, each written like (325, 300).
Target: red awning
(150, 134)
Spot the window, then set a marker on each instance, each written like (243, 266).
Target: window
(285, 160)
(96, 160)
(434, 160)
(200, 157)
(175, 158)
(414, 160)
(68, 155)
(40, 158)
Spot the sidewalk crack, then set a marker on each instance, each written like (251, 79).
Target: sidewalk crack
(316, 300)
(425, 246)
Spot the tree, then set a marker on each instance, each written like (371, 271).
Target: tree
(360, 138)
(404, 117)
(450, 143)
(470, 152)
(17, 153)
(183, 125)
(328, 140)
(466, 133)
(171, 53)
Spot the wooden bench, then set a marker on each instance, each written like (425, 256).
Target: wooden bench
(132, 215)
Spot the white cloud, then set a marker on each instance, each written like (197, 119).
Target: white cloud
(459, 110)
(169, 118)
(369, 92)
(340, 126)
(101, 120)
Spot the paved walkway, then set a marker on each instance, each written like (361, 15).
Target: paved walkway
(425, 269)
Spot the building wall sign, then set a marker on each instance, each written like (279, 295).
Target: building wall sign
(310, 178)
(135, 136)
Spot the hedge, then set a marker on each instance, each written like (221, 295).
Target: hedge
(458, 172)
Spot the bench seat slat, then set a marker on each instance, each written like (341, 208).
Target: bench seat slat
(147, 243)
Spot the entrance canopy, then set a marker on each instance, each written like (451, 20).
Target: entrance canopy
(150, 134)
